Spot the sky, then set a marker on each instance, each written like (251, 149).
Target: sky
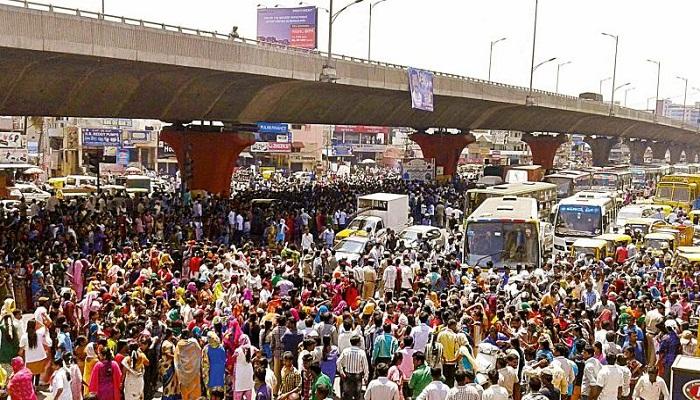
(454, 36)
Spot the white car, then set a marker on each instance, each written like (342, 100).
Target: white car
(9, 206)
(435, 236)
(29, 192)
(351, 248)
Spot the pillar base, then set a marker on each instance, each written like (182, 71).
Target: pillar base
(659, 150)
(543, 148)
(213, 156)
(445, 148)
(600, 147)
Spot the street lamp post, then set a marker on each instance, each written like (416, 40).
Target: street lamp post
(658, 82)
(328, 74)
(600, 85)
(369, 41)
(685, 97)
(627, 91)
(534, 42)
(556, 90)
(493, 43)
(612, 96)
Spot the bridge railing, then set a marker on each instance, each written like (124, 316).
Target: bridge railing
(294, 50)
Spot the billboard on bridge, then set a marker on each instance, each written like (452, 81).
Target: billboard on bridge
(421, 86)
(295, 27)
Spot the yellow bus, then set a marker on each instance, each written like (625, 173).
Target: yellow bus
(679, 190)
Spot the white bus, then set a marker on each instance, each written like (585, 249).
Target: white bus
(611, 180)
(585, 215)
(545, 194)
(506, 231)
(569, 182)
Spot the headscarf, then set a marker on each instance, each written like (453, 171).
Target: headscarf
(90, 350)
(321, 310)
(213, 340)
(8, 307)
(20, 385)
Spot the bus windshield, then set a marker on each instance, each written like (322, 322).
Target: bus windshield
(681, 193)
(578, 220)
(502, 243)
(564, 186)
(664, 192)
(604, 181)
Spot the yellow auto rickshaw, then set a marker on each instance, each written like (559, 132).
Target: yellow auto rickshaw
(614, 240)
(686, 259)
(659, 243)
(596, 248)
(643, 225)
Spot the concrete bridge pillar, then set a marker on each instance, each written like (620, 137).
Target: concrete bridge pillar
(659, 150)
(445, 148)
(600, 147)
(637, 150)
(543, 148)
(207, 159)
(675, 151)
(690, 154)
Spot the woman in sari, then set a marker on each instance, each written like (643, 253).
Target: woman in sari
(188, 357)
(90, 361)
(243, 380)
(20, 385)
(134, 366)
(171, 387)
(106, 378)
(9, 336)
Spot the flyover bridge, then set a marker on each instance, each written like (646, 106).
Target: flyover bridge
(65, 62)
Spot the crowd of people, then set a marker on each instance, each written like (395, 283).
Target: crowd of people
(208, 297)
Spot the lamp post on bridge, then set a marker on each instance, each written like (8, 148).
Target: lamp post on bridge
(600, 85)
(328, 74)
(493, 43)
(612, 96)
(532, 60)
(658, 82)
(685, 97)
(369, 36)
(556, 88)
(541, 64)
(627, 91)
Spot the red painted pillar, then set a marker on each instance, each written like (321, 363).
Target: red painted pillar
(213, 156)
(445, 148)
(543, 148)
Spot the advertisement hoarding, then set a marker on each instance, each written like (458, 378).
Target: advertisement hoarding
(101, 137)
(418, 169)
(14, 156)
(139, 136)
(420, 84)
(123, 157)
(12, 140)
(295, 27)
(33, 148)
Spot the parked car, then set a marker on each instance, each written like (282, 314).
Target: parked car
(435, 236)
(29, 192)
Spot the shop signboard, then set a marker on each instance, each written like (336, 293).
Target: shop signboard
(418, 169)
(271, 147)
(295, 27)
(101, 137)
(33, 148)
(369, 148)
(123, 157)
(139, 137)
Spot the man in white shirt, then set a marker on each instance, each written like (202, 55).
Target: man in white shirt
(307, 240)
(436, 390)
(462, 391)
(421, 333)
(561, 361)
(650, 387)
(382, 388)
(590, 373)
(609, 381)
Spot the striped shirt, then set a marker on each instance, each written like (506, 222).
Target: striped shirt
(382, 389)
(353, 360)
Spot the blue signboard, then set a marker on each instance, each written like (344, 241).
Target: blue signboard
(421, 86)
(272, 127)
(579, 209)
(101, 137)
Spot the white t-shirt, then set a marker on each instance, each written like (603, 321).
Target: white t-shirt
(37, 353)
(59, 380)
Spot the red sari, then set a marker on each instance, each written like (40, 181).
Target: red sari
(20, 385)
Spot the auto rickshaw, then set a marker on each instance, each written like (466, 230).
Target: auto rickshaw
(614, 240)
(686, 259)
(643, 225)
(596, 248)
(660, 242)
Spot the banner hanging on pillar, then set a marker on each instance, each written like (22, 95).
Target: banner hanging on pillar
(420, 84)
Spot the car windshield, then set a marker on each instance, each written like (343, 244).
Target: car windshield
(349, 246)
(564, 186)
(578, 220)
(629, 214)
(408, 235)
(585, 251)
(502, 242)
(358, 224)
